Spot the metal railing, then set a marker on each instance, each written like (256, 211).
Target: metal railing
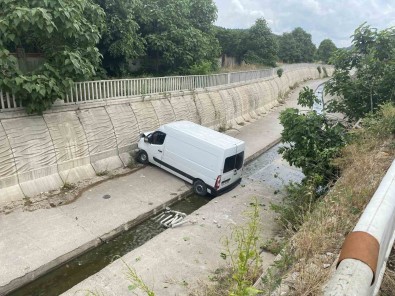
(124, 88)
(88, 91)
(8, 101)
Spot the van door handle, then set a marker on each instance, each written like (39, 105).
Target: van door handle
(160, 150)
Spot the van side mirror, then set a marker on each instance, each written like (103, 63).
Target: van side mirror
(146, 140)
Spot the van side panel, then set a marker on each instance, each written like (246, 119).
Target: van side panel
(191, 151)
(193, 161)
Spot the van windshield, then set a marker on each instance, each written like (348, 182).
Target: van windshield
(234, 162)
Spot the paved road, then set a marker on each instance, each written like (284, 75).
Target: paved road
(33, 242)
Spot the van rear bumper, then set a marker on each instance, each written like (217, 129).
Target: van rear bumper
(224, 189)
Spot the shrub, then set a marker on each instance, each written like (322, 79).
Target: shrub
(280, 72)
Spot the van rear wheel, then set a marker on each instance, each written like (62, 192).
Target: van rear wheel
(200, 188)
(142, 157)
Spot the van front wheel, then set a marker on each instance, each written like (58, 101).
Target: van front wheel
(142, 157)
(200, 188)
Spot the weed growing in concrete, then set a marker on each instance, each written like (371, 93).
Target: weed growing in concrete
(68, 186)
(273, 276)
(136, 281)
(222, 128)
(27, 202)
(93, 293)
(295, 85)
(296, 204)
(132, 163)
(243, 251)
(273, 246)
(281, 97)
(102, 173)
(319, 70)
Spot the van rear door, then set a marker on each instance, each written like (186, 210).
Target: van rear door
(232, 168)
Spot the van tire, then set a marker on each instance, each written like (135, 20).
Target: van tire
(142, 157)
(200, 188)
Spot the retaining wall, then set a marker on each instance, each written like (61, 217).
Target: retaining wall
(75, 142)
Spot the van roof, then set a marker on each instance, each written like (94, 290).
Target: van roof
(204, 133)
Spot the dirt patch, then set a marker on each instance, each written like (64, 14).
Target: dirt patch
(391, 260)
(388, 284)
(64, 195)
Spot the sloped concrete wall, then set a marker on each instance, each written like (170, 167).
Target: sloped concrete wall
(75, 142)
(8, 174)
(70, 145)
(126, 128)
(34, 154)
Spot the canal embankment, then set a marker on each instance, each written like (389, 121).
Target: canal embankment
(35, 242)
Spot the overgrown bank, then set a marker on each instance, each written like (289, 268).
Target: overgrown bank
(311, 252)
(344, 162)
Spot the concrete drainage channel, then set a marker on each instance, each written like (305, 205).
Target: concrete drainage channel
(71, 273)
(78, 269)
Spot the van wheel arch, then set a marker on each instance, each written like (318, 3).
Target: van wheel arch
(142, 157)
(199, 187)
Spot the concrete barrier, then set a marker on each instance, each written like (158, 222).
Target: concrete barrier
(220, 109)
(126, 129)
(365, 251)
(9, 185)
(190, 99)
(230, 108)
(164, 110)
(71, 146)
(180, 107)
(238, 117)
(74, 142)
(100, 135)
(146, 115)
(206, 109)
(34, 154)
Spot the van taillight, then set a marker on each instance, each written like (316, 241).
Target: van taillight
(218, 182)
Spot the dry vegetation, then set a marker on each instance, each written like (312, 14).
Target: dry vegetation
(316, 245)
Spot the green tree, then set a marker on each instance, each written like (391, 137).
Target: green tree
(364, 75)
(325, 50)
(179, 34)
(288, 50)
(121, 42)
(297, 47)
(64, 32)
(231, 42)
(312, 141)
(261, 44)
(305, 45)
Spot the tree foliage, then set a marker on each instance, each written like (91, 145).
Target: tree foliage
(232, 41)
(261, 45)
(364, 75)
(296, 47)
(179, 33)
(64, 32)
(325, 50)
(121, 42)
(312, 141)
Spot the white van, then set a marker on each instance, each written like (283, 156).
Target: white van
(209, 160)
